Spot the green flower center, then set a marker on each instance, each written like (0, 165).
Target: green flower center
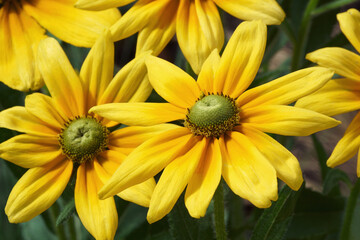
(212, 115)
(83, 138)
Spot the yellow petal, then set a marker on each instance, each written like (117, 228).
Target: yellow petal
(97, 69)
(174, 180)
(286, 120)
(61, 79)
(105, 167)
(127, 139)
(336, 97)
(148, 159)
(19, 38)
(267, 10)
(30, 151)
(287, 89)
(37, 190)
(205, 180)
(44, 108)
(131, 80)
(348, 145)
(98, 216)
(137, 17)
(76, 26)
(349, 24)
(199, 31)
(18, 119)
(101, 4)
(246, 171)
(172, 83)
(241, 58)
(206, 76)
(142, 114)
(340, 60)
(158, 31)
(285, 163)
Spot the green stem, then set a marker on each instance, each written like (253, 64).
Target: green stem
(72, 229)
(219, 213)
(349, 211)
(60, 231)
(300, 46)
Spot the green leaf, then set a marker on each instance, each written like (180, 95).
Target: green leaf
(66, 213)
(322, 156)
(184, 227)
(331, 6)
(316, 215)
(332, 180)
(131, 220)
(275, 220)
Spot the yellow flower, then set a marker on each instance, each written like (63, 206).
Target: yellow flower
(23, 24)
(197, 23)
(61, 136)
(340, 95)
(224, 125)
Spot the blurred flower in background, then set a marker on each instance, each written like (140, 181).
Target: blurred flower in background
(23, 23)
(197, 23)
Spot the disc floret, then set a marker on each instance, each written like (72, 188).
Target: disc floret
(212, 115)
(82, 138)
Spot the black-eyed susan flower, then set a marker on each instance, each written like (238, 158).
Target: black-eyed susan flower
(61, 137)
(197, 23)
(223, 132)
(343, 94)
(23, 24)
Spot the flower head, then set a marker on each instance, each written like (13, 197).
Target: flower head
(61, 135)
(197, 23)
(224, 128)
(23, 24)
(340, 95)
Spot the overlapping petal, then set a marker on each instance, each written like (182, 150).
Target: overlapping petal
(101, 4)
(129, 84)
(98, 216)
(126, 139)
(105, 166)
(285, 163)
(205, 180)
(350, 26)
(267, 10)
(241, 58)
(342, 61)
(246, 170)
(30, 151)
(158, 31)
(44, 108)
(60, 78)
(336, 97)
(286, 120)
(173, 181)
(206, 76)
(287, 89)
(76, 26)
(97, 70)
(199, 30)
(348, 145)
(138, 17)
(148, 159)
(172, 83)
(141, 114)
(19, 119)
(19, 38)
(33, 193)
